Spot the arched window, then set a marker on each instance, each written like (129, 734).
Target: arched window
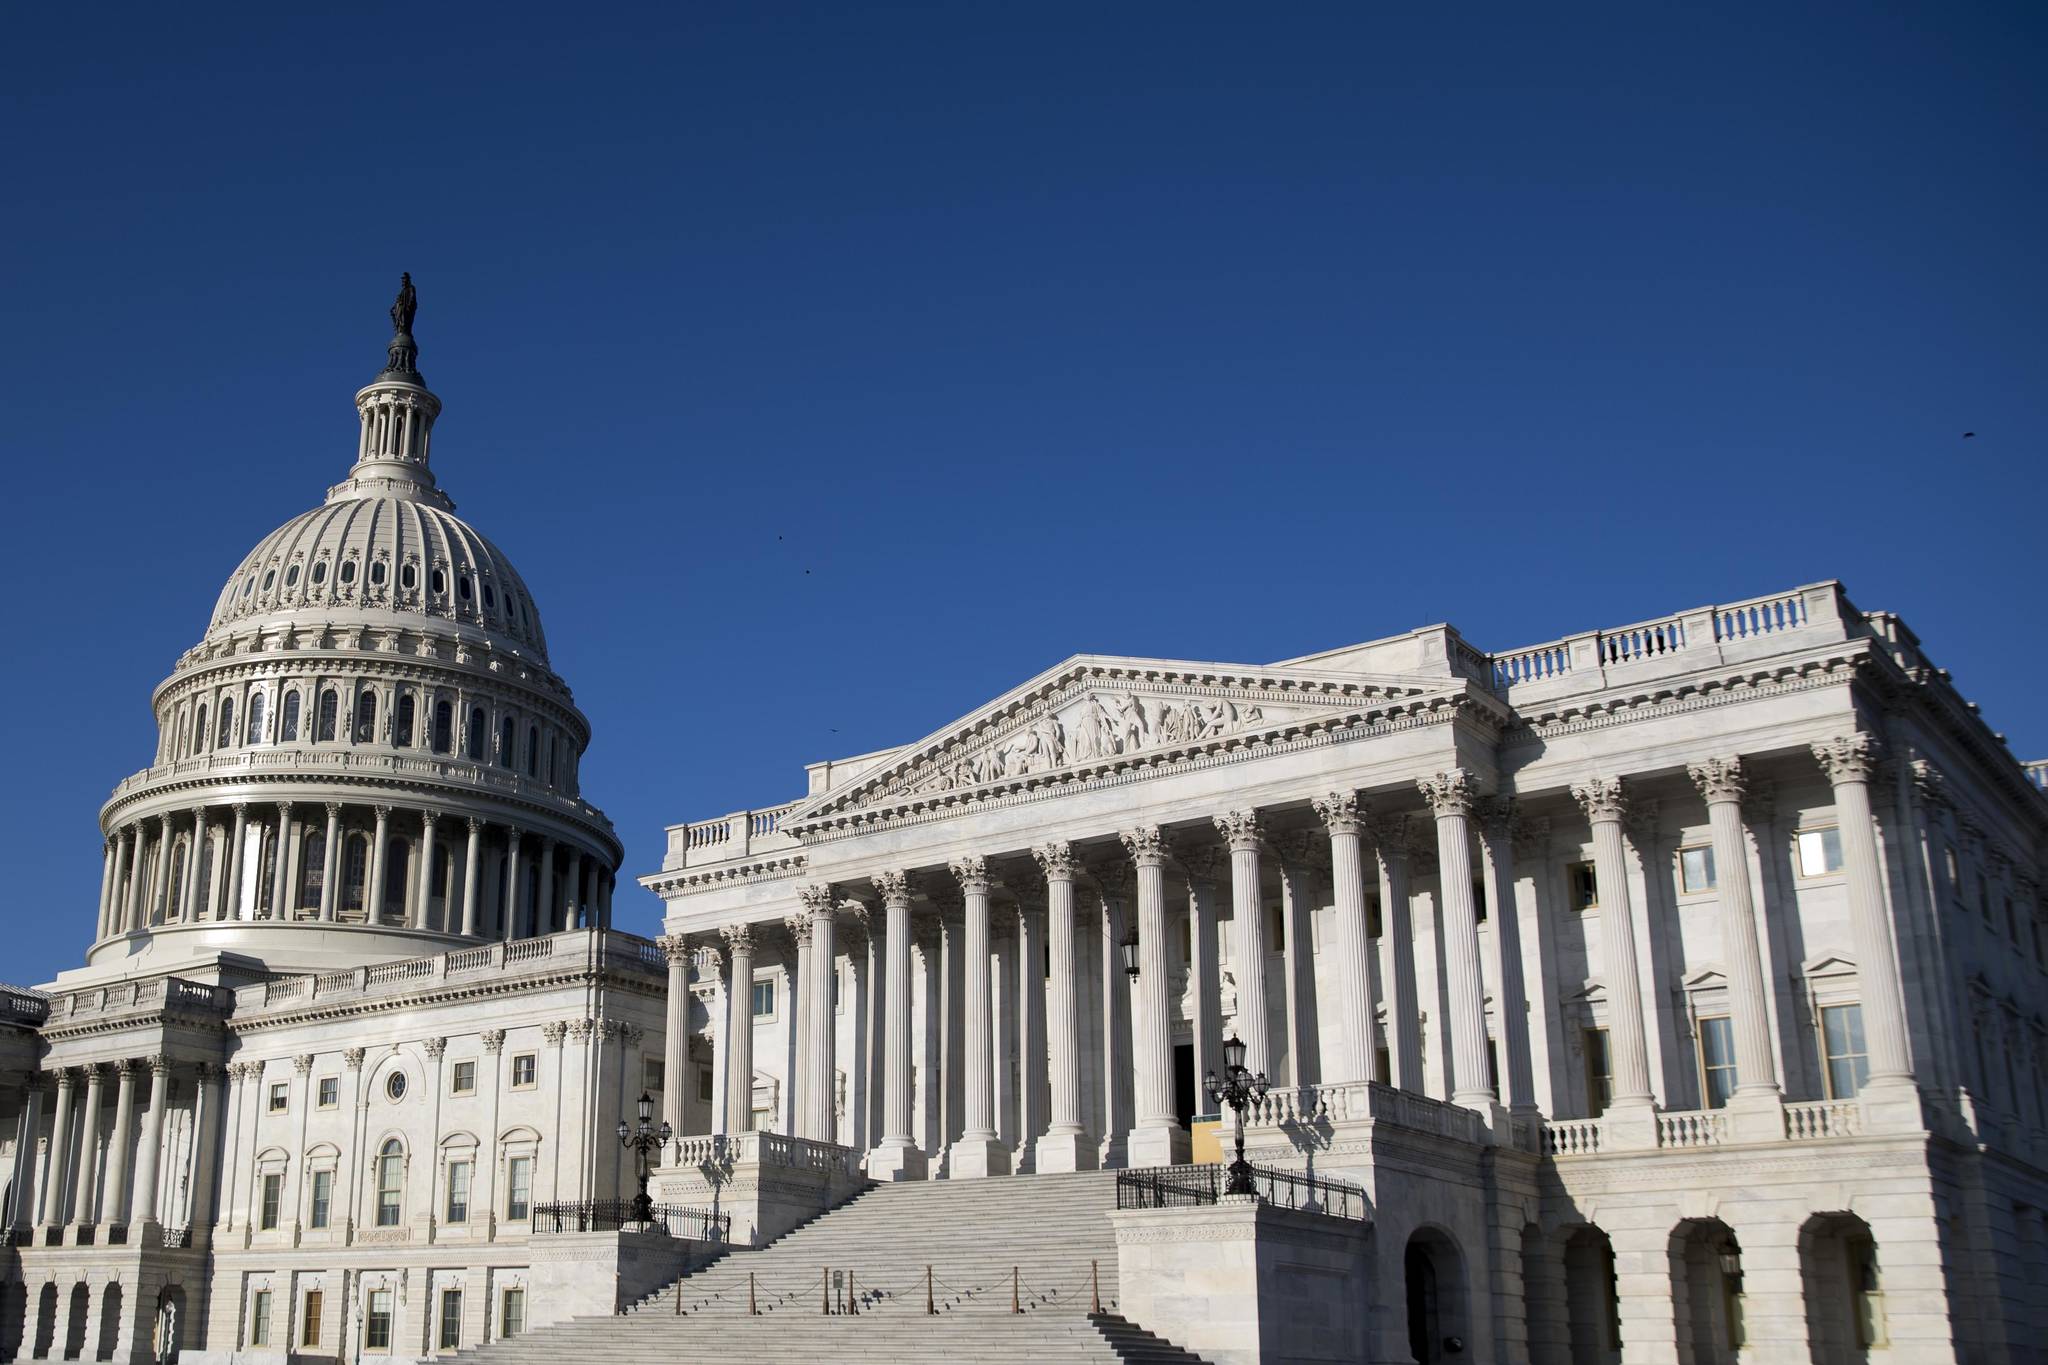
(175, 901)
(477, 731)
(227, 723)
(355, 873)
(199, 729)
(505, 742)
(366, 717)
(255, 726)
(330, 704)
(533, 751)
(312, 869)
(205, 882)
(444, 727)
(401, 722)
(288, 726)
(390, 1183)
(397, 857)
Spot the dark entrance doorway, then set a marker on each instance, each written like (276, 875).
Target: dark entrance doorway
(1184, 1093)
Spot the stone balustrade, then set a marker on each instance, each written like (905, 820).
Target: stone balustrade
(738, 835)
(1365, 1100)
(1823, 1119)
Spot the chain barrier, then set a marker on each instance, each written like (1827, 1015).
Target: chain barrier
(840, 1292)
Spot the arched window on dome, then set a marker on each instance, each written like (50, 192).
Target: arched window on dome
(390, 1183)
(330, 704)
(533, 751)
(174, 902)
(479, 731)
(204, 883)
(256, 719)
(366, 717)
(397, 861)
(401, 721)
(288, 724)
(199, 728)
(355, 873)
(444, 727)
(312, 869)
(227, 723)
(505, 742)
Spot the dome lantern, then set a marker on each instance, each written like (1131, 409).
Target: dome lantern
(397, 412)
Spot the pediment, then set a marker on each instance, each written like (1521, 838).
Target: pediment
(1094, 712)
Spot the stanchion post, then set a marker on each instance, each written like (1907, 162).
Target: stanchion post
(752, 1311)
(1095, 1283)
(825, 1293)
(929, 1310)
(1014, 1308)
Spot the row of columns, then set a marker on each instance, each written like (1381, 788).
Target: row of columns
(1139, 1105)
(97, 1187)
(132, 897)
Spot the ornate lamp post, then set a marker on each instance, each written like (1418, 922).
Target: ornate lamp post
(643, 1140)
(1240, 1090)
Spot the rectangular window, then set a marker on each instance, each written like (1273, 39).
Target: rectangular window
(519, 1189)
(309, 1332)
(525, 1070)
(705, 1084)
(1276, 930)
(1372, 914)
(764, 999)
(1480, 908)
(651, 1074)
(1841, 1037)
(1493, 1066)
(465, 1078)
(259, 1319)
(458, 1191)
(330, 1092)
(280, 1097)
(451, 1319)
(1582, 885)
(377, 1322)
(323, 1198)
(1820, 851)
(1599, 1073)
(512, 1313)
(1382, 1066)
(1696, 869)
(1717, 1060)
(273, 1192)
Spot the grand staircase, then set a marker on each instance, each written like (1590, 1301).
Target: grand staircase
(920, 1271)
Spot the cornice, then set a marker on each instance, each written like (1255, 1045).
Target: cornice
(1606, 710)
(696, 881)
(429, 997)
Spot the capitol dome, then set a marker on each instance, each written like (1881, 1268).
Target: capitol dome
(366, 756)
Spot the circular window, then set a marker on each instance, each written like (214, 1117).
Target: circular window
(269, 577)
(463, 583)
(320, 573)
(408, 576)
(291, 577)
(394, 1086)
(348, 571)
(377, 572)
(438, 581)
(490, 598)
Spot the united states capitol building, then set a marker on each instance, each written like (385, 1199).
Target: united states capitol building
(1667, 993)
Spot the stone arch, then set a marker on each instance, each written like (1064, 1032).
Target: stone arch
(46, 1321)
(169, 1328)
(1592, 1303)
(1437, 1297)
(74, 1320)
(111, 1304)
(1706, 1291)
(388, 1181)
(1844, 1288)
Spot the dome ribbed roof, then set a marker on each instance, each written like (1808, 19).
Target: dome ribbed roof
(379, 553)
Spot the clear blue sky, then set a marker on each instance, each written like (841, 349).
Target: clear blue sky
(827, 371)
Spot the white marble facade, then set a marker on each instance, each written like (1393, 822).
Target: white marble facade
(1727, 1027)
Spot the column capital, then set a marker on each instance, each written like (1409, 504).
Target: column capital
(1340, 812)
(817, 899)
(435, 1047)
(1719, 779)
(1114, 878)
(303, 1063)
(1453, 792)
(799, 927)
(554, 1031)
(159, 1065)
(494, 1040)
(1056, 861)
(513, 834)
(675, 947)
(64, 1076)
(1198, 860)
(1146, 845)
(165, 821)
(428, 817)
(475, 824)
(381, 812)
(971, 871)
(1601, 798)
(893, 885)
(352, 1058)
(1931, 785)
(1240, 829)
(738, 937)
(1848, 758)
(1499, 819)
(125, 1067)
(240, 808)
(1298, 852)
(333, 809)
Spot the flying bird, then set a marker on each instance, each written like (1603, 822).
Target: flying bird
(1968, 434)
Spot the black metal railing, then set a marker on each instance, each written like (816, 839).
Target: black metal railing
(611, 1215)
(1170, 1187)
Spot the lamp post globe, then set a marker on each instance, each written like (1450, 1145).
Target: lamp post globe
(643, 1141)
(1237, 1090)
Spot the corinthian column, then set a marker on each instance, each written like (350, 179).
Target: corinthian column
(114, 1203)
(739, 1027)
(1604, 804)
(978, 1153)
(88, 1149)
(1848, 761)
(676, 1036)
(106, 885)
(1062, 1148)
(1240, 829)
(373, 895)
(1722, 783)
(160, 898)
(1451, 796)
(60, 1143)
(898, 1157)
(152, 1142)
(280, 864)
(1351, 1059)
(821, 1059)
(231, 902)
(330, 861)
(423, 900)
(1157, 1139)
(471, 871)
(188, 895)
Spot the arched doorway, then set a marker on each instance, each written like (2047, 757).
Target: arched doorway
(1706, 1291)
(1838, 1268)
(170, 1321)
(13, 1317)
(46, 1322)
(74, 1326)
(1592, 1306)
(1543, 1298)
(110, 1322)
(1434, 1276)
